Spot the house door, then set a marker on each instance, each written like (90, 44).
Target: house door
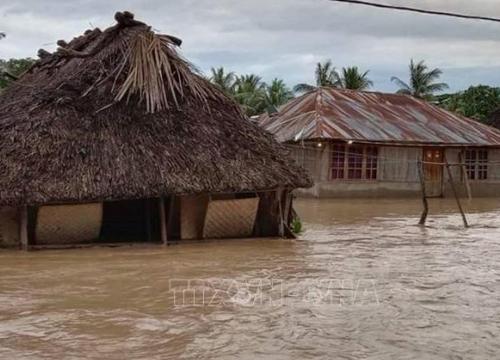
(433, 174)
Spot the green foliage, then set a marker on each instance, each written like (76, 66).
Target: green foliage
(14, 67)
(249, 92)
(422, 83)
(276, 94)
(477, 102)
(353, 79)
(296, 225)
(326, 76)
(254, 95)
(224, 80)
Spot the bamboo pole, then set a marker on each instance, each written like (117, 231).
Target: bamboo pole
(452, 184)
(423, 217)
(163, 222)
(23, 228)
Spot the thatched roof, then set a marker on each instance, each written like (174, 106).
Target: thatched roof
(118, 114)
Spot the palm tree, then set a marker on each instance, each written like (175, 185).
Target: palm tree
(276, 94)
(353, 79)
(249, 92)
(422, 83)
(225, 81)
(325, 74)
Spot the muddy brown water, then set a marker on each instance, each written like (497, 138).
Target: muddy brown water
(362, 281)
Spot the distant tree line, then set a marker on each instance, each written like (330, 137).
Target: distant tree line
(256, 96)
(477, 102)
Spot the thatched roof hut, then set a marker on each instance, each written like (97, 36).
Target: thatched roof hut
(118, 114)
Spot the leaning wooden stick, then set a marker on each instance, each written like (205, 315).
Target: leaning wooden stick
(423, 217)
(452, 184)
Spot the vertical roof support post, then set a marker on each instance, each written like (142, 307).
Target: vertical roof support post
(147, 205)
(163, 221)
(281, 226)
(23, 228)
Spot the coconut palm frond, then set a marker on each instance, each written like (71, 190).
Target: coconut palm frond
(353, 79)
(422, 81)
(276, 94)
(436, 87)
(224, 80)
(404, 87)
(326, 75)
(303, 88)
(157, 74)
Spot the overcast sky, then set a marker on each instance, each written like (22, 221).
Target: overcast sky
(282, 38)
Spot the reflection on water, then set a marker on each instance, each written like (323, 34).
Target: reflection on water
(363, 281)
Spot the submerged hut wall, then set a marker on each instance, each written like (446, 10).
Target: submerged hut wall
(9, 227)
(68, 224)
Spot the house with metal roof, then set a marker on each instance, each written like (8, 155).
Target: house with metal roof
(375, 144)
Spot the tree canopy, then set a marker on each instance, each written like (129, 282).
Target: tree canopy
(353, 79)
(325, 75)
(477, 102)
(253, 94)
(14, 67)
(422, 82)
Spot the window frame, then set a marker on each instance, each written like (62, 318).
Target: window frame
(345, 164)
(476, 164)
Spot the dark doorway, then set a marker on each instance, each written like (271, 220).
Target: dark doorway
(130, 221)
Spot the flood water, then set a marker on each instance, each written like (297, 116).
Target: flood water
(362, 281)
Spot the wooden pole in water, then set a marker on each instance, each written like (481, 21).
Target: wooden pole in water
(452, 184)
(423, 217)
(163, 222)
(23, 228)
(465, 176)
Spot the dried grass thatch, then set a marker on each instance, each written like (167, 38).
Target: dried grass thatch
(117, 114)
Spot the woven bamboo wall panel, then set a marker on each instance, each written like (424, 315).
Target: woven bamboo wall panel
(9, 226)
(230, 218)
(68, 224)
(193, 209)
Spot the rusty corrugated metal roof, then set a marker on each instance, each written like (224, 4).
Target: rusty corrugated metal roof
(328, 113)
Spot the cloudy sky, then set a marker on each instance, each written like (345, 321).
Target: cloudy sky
(282, 38)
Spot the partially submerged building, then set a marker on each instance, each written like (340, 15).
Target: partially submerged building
(115, 138)
(370, 144)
